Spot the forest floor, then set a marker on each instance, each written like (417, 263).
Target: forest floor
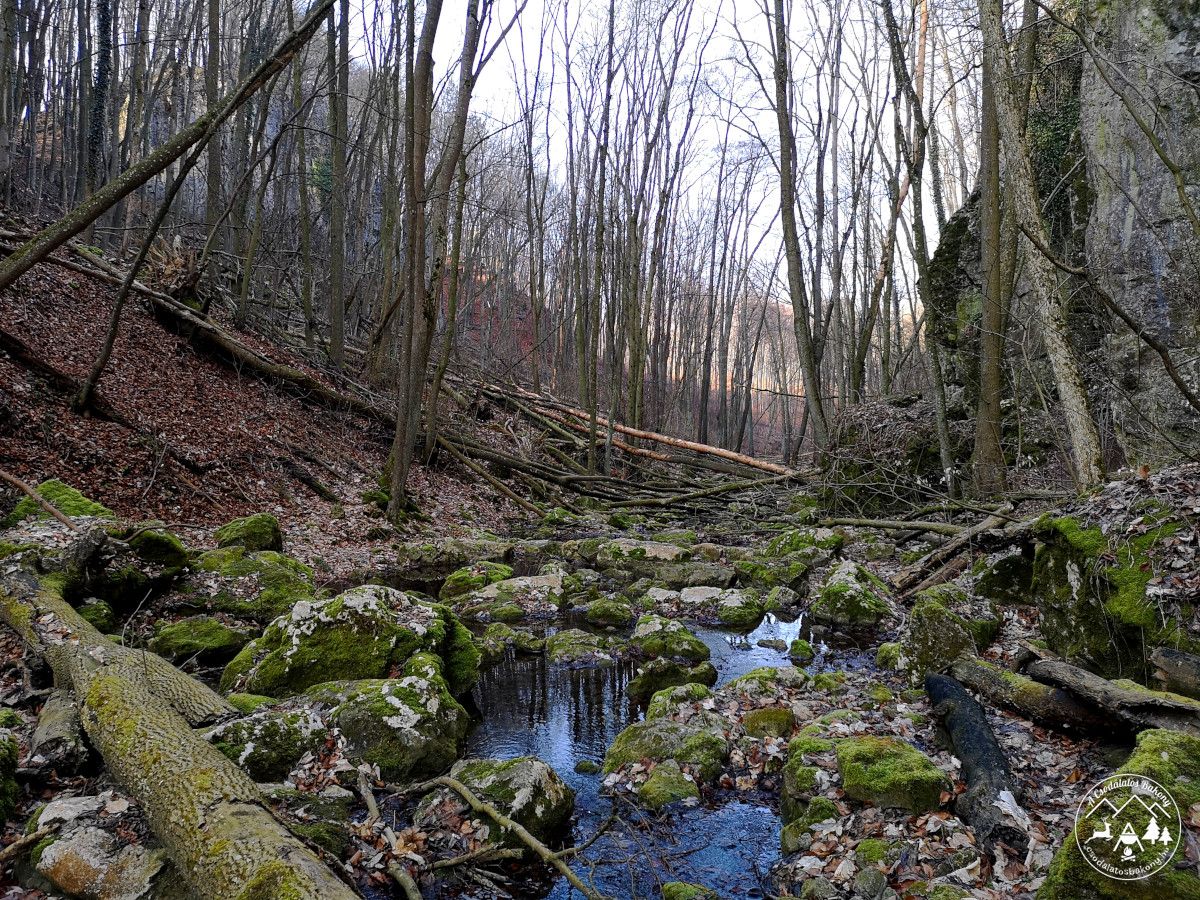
(202, 444)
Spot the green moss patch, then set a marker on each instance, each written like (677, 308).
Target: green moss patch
(890, 773)
(62, 497)
(258, 532)
(471, 578)
(667, 784)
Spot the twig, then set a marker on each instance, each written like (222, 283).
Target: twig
(20, 847)
(483, 854)
(897, 525)
(401, 877)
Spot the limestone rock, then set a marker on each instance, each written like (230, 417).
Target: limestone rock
(268, 743)
(92, 864)
(200, 637)
(656, 636)
(257, 532)
(577, 649)
(258, 586)
(670, 700)
(850, 597)
(660, 739)
(935, 638)
(661, 673)
(667, 784)
(434, 560)
(529, 596)
(1008, 581)
(472, 578)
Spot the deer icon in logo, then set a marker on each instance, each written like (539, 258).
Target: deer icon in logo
(1098, 833)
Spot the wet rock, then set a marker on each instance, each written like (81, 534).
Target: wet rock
(575, 648)
(409, 726)
(359, 634)
(472, 578)
(499, 637)
(268, 743)
(257, 532)
(801, 649)
(667, 784)
(92, 864)
(773, 644)
(257, 586)
(852, 597)
(781, 598)
(59, 739)
(656, 636)
(659, 674)
(659, 739)
(524, 789)
(728, 606)
(890, 774)
(202, 638)
(587, 767)
(935, 638)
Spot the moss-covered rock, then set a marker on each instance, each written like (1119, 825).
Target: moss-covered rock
(577, 649)
(99, 614)
(257, 532)
(268, 743)
(890, 773)
(680, 537)
(667, 784)
(435, 559)
(935, 637)
(781, 598)
(472, 578)
(798, 540)
(1008, 581)
(851, 597)
(686, 890)
(766, 682)
(258, 586)
(500, 636)
(659, 739)
(362, 633)
(1091, 590)
(1170, 759)
(790, 572)
(887, 657)
(656, 636)
(200, 637)
(834, 682)
(668, 701)
(524, 789)
(62, 497)
(803, 814)
(807, 744)
(660, 674)
(160, 547)
(248, 703)
(801, 649)
(409, 726)
(9, 790)
(641, 556)
(528, 596)
(609, 611)
(769, 722)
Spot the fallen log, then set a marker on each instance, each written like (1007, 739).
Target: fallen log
(984, 804)
(1040, 703)
(980, 535)
(943, 528)
(206, 811)
(1136, 710)
(1177, 671)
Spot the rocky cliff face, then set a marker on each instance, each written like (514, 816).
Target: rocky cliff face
(1139, 238)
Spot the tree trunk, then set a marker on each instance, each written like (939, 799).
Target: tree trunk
(339, 96)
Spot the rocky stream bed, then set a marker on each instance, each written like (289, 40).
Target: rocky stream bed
(703, 719)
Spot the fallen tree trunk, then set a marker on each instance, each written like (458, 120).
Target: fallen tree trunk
(206, 811)
(909, 578)
(1136, 710)
(1177, 671)
(942, 528)
(983, 805)
(1039, 703)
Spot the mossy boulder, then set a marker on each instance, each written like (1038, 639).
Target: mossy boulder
(802, 816)
(202, 638)
(799, 783)
(766, 682)
(804, 540)
(781, 598)
(257, 586)
(528, 596)
(409, 726)
(670, 638)
(268, 743)
(935, 637)
(524, 789)
(360, 634)
(99, 614)
(1091, 590)
(1172, 760)
(667, 784)
(801, 649)
(659, 739)
(640, 556)
(608, 611)
(258, 532)
(472, 578)
(1008, 581)
(248, 703)
(850, 597)
(435, 559)
(887, 657)
(9, 789)
(160, 547)
(669, 700)
(735, 607)
(62, 497)
(661, 673)
(686, 890)
(890, 774)
(500, 636)
(769, 722)
(577, 649)
(790, 572)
